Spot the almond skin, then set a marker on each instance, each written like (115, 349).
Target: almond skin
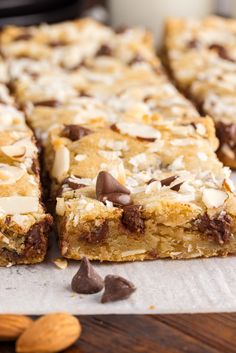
(12, 326)
(50, 333)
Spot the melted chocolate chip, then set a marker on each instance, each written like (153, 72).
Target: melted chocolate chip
(23, 36)
(226, 133)
(87, 280)
(97, 234)
(104, 50)
(75, 132)
(52, 103)
(36, 240)
(221, 51)
(219, 227)
(117, 288)
(132, 219)
(108, 188)
(72, 184)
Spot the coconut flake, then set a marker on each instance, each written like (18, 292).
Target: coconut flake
(139, 130)
(80, 157)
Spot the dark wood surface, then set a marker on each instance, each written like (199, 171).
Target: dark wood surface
(209, 333)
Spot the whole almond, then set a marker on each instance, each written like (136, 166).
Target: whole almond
(12, 326)
(50, 333)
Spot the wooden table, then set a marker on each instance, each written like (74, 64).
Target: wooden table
(154, 334)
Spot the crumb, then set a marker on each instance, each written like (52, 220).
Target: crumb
(152, 307)
(61, 263)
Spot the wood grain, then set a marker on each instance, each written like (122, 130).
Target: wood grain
(213, 333)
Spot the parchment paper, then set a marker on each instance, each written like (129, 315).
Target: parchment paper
(163, 286)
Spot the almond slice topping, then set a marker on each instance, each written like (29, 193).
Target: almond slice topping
(13, 151)
(19, 204)
(10, 174)
(213, 198)
(141, 131)
(61, 163)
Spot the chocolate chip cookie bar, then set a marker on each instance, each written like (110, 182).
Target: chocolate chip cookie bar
(59, 43)
(202, 59)
(135, 192)
(132, 165)
(24, 224)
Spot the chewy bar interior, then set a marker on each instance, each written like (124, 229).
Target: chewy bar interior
(132, 165)
(202, 58)
(23, 222)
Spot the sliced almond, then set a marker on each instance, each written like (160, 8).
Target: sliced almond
(19, 204)
(30, 147)
(50, 333)
(14, 151)
(60, 206)
(10, 174)
(213, 198)
(61, 163)
(141, 131)
(228, 185)
(12, 326)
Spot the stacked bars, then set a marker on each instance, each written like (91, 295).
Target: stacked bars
(23, 222)
(202, 58)
(132, 164)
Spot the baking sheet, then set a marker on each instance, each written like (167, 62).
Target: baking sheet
(163, 286)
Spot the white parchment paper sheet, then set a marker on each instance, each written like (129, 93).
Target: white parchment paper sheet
(163, 286)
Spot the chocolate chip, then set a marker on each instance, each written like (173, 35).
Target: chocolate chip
(35, 166)
(151, 181)
(97, 234)
(87, 280)
(52, 103)
(132, 218)
(84, 94)
(108, 188)
(75, 132)
(226, 133)
(149, 139)
(104, 50)
(219, 227)
(176, 187)
(122, 29)
(221, 51)
(117, 288)
(114, 128)
(56, 43)
(73, 184)
(168, 181)
(23, 36)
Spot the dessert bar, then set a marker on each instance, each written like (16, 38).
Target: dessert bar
(202, 58)
(133, 169)
(24, 225)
